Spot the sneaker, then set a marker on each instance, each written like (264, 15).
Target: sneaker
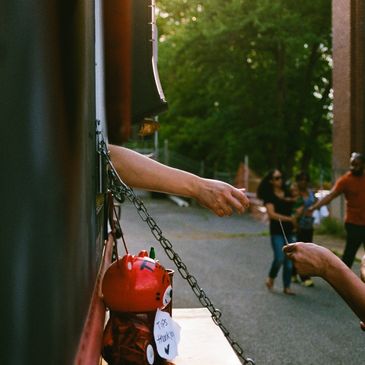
(295, 279)
(308, 283)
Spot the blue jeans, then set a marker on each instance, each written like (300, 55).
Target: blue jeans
(277, 243)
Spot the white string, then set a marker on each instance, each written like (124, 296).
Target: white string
(282, 230)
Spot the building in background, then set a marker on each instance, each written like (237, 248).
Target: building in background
(348, 28)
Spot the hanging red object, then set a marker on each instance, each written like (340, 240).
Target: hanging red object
(128, 340)
(136, 284)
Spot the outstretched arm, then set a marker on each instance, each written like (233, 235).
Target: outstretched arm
(311, 259)
(324, 201)
(142, 172)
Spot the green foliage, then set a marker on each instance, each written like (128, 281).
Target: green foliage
(247, 78)
(331, 226)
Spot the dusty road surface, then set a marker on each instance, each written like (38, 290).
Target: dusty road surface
(230, 258)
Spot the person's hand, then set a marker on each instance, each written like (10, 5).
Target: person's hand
(294, 222)
(220, 197)
(307, 213)
(309, 258)
(299, 211)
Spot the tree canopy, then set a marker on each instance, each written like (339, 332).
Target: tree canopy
(248, 78)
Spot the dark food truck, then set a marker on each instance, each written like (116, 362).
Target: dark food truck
(71, 72)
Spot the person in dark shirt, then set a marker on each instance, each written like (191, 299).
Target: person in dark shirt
(279, 206)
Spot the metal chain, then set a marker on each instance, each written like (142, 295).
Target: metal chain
(121, 190)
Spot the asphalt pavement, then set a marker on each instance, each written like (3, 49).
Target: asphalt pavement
(230, 258)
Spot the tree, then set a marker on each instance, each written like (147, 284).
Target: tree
(248, 78)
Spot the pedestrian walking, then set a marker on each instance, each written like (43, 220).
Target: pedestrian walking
(352, 185)
(278, 203)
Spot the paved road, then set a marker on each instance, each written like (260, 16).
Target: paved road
(230, 258)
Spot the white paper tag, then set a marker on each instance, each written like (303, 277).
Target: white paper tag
(167, 335)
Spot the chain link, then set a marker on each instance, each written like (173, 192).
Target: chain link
(121, 190)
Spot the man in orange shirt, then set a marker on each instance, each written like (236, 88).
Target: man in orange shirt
(352, 185)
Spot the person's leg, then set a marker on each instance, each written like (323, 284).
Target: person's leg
(277, 243)
(306, 235)
(287, 268)
(294, 275)
(277, 247)
(287, 271)
(353, 242)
